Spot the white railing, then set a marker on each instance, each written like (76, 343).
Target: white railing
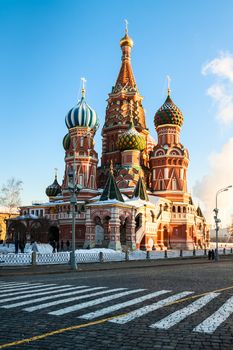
(21, 259)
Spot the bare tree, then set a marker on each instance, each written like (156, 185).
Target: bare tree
(10, 194)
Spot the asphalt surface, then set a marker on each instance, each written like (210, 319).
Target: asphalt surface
(195, 278)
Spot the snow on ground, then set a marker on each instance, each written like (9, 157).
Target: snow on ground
(42, 248)
(96, 250)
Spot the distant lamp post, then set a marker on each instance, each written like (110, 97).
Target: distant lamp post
(216, 219)
(74, 189)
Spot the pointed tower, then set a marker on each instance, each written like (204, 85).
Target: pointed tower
(140, 190)
(81, 158)
(123, 99)
(111, 191)
(169, 159)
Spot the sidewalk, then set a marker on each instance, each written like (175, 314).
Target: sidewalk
(58, 269)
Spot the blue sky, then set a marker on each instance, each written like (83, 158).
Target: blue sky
(47, 45)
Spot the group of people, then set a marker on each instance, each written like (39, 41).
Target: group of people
(60, 247)
(211, 254)
(19, 245)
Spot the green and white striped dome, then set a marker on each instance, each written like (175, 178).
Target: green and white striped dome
(82, 115)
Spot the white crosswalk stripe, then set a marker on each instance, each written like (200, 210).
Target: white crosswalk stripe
(86, 296)
(149, 308)
(180, 315)
(13, 284)
(109, 309)
(23, 290)
(49, 290)
(94, 302)
(210, 324)
(75, 290)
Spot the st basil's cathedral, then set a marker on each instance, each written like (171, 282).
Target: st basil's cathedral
(137, 198)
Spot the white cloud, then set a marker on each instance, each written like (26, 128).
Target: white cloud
(220, 175)
(221, 66)
(222, 91)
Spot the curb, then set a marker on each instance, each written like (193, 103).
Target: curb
(61, 269)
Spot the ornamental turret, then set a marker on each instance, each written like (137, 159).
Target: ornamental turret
(169, 159)
(123, 98)
(81, 158)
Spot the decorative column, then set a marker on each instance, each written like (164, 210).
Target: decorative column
(90, 231)
(114, 242)
(130, 233)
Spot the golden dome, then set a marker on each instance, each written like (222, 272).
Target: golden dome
(126, 41)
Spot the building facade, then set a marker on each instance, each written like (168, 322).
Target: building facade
(138, 196)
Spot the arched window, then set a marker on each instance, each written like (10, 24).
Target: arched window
(152, 216)
(173, 209)
(81, 180)
(174, 185)
(178, 209)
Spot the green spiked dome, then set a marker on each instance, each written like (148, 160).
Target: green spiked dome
(168, 113)
(66, 142)
(131, 139)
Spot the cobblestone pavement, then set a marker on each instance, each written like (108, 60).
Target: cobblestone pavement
(181, 306)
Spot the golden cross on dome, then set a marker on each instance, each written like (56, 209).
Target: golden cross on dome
(55, 169)
(168, 85)
(83, 80)
(126, 26)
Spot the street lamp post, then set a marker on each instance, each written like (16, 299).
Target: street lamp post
(74, 189)
(217, 220)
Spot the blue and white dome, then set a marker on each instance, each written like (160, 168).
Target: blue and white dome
(82, 115)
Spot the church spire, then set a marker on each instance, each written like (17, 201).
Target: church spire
(126, 77)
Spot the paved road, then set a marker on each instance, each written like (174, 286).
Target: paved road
(186, 306)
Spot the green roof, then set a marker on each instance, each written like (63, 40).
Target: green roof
(140, 190)
(111, 190)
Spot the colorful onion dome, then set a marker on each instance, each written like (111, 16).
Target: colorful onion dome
(54, 189)
(82, 115)
(168, 113)
(131, 139)
(66, 142)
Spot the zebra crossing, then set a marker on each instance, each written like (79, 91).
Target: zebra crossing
(53, 298)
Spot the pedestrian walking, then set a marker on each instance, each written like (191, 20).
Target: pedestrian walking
(58, 246)
(213, 254)
(67, 244)
(62, 245)
(209, 254)
(54, 246)
(16, 246)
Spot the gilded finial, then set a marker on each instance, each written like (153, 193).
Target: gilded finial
(83, 80)
(126, 26)
(111, 167)
(168, 85)
(55, 170)
(126, 40)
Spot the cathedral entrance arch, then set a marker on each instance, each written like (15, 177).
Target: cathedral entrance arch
(53, 234)
(17, 231)
(123, 227)
(138, 221)
(99, 235)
